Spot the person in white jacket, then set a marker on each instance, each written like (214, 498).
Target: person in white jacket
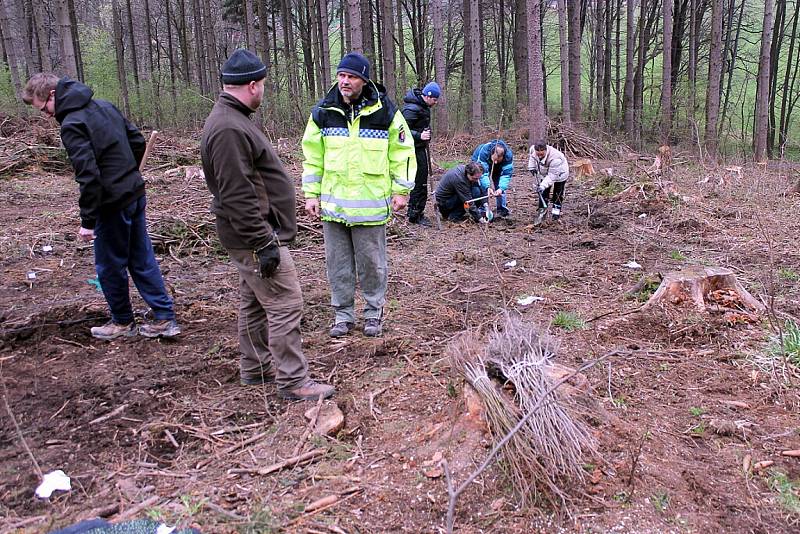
(550, 168)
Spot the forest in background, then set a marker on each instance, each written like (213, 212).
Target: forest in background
(601, 65)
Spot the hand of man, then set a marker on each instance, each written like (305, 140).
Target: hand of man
(498, 192)
(269, 258)
(85, 234)
(426, 134)
(399, 202)
(312, 207)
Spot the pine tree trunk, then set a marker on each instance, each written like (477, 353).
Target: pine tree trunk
(356, 40)
(788, 84)
(714, 73)
(630, 54)
(367, 32)
(563, 48)
(574, 30)
(76, 42)
(519, 51)
(322, 13)
(387, 43)
(211, 60)
(607, 64)
(778, 35)
(199, 48)
(46, 63)
(249, 26)
(10, 49)
(762, 90)
(537, 120)
(289, 48)
(155, 79)
(122, 75)
(401, 47)
(183, 41)
(67, 47)
(666, 73)
(442, 125)
(473, 39)
(692, 65)
(172, 62)
(134, 57)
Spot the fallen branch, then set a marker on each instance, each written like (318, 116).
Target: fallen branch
(130, 512)
(245, 443)
(109, 415)
(454, 493)
(289, 462)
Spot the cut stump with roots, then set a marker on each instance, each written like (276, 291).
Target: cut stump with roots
(709, 289)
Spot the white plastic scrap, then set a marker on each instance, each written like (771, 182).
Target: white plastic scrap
(632, 265)
(53, 481)
(164, 529)
(525, 301)
(31, 275)
(642, 215)
(510, 264)
(47, 248)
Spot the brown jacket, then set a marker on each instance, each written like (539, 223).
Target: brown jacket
(253, 194)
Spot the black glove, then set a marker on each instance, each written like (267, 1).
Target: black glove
(269, 258)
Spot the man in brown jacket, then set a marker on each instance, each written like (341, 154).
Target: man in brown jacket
(255, 208)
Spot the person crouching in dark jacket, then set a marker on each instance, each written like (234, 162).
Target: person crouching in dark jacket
(105, 150)
(417, 106)
(458, 186)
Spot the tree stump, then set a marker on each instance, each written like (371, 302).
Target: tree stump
(707, 289)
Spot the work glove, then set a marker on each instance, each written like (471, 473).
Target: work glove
(269, 258)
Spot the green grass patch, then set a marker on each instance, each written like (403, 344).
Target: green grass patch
(788, 274)
(788, 491)
(608, 187)
(677, 255)
(568, 321)
(660, 501)
(790, 348)
(696, 412)
(449, 164)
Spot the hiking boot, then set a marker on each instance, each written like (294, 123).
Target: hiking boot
(556, 213)
(542, 213)
(266, 377)
(372, 327)
(112, 330)
(341, 329)
(308, 390)
(168, 328)
(422, 221)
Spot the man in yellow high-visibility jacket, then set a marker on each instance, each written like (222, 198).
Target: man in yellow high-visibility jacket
(359, 167)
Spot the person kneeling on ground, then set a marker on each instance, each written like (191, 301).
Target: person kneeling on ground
(550, 168)
(458, 186)
(498, 165)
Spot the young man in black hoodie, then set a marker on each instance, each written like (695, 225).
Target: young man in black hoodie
(105, 150)
(417, 106)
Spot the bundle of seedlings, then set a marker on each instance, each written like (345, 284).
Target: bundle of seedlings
(514, 373)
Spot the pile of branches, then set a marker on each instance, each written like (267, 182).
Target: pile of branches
(572, 141)
(512, 372)
(27, 143)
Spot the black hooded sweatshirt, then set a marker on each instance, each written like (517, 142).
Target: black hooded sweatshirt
(104, 148)
(418, 116)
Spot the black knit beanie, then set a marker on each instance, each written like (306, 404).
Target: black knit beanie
(354, 63)
(242, 68)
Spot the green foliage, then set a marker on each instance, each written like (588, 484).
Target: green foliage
(788, 491)
(696, 412)
(699, 429)
(608, 187)
(449, 164)
(8, 100)
(791, 343)
(262, 521)
(660, 501)
(788, 274)
(677, 255)
(568, 321)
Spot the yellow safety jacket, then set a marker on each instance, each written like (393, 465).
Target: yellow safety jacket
(357, 157)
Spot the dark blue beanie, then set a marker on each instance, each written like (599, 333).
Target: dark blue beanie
(432, 90)
(354, 63)
(242, 68)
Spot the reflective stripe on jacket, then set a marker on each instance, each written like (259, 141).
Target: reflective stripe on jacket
(356, 158)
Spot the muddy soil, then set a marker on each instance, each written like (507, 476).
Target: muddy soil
(689, 395)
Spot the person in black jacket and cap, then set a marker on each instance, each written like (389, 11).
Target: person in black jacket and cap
(105, 150)
(417, 106)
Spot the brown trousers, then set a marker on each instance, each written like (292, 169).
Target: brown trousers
(270, 310)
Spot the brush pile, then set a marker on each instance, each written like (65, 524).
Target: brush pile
(513, 373)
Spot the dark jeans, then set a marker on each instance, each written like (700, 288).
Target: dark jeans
(419, 195)
(557, 190)
(453, 208)
(122, 245)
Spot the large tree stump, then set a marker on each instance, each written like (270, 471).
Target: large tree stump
(707, 289)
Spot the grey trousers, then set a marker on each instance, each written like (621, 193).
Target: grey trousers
(351, 250)
(270, 310)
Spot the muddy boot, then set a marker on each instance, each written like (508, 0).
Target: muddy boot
(540, 217)
(309, 390)
(168, 328)
(112, 330)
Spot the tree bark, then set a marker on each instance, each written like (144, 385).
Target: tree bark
(788, 84)
(762, 89)
(172, 62)
(692, 65)
(607, 64)
(401, 47)
(134, 55)
(442, 125)
(367, 32)
(666, 73)
(288, 47)
(537, 119)
(519, 51)
(563, 48)
(322, 10)
(778, 35)
(42, 40)
(630, 54)
(10, 49)
(356, 39)
(67, 45)
(475, 68)
(122, 75)
(199, 48)
(714, 73)
(575, 30)
(387, 53)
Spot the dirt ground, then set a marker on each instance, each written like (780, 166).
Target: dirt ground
(686, 398)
